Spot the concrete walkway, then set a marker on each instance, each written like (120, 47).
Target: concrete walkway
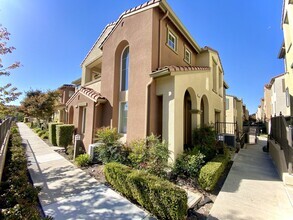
(253, 189)
(68, 192)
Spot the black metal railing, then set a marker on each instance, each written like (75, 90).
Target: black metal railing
(226, 128)
(281, 132)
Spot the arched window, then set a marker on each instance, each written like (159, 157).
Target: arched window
(124, 69)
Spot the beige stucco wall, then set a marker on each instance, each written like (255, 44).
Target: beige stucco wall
(173, 89)
(267, 103)
(231, 112)
(239, 117)
(278, 97)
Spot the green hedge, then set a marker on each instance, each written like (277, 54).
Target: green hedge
(212, 171)
(160, 197)
(64, 135)
(52, 133)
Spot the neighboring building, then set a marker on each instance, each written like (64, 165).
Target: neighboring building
(148, 79)
(267, 102)
(66, 91)
(278, 96)
(286, 53)
(245, 113)
(234, 114)
(260, 114)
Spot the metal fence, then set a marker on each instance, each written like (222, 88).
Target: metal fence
(226, 128)
(281, 132)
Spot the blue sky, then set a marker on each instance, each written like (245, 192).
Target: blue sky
(53, 36)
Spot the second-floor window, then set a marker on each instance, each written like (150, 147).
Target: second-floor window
(227, 104)
(124, 69)
(172, 41)
(187, 56)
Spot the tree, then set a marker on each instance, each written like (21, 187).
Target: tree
(40, 105)
(7, 92)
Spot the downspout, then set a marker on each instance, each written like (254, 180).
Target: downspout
(152, 79)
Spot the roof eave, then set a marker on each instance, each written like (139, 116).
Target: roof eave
(165, 7)
(160, 73)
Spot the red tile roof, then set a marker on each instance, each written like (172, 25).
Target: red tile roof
(185, 68)
(88, 92)
(151, 2)
(91, 93)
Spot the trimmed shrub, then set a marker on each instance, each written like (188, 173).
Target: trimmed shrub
(160, 197)
(83, 160)
(52, 133)
(64, 135)
(116, 174)
(188, 164)
(45, 135)
(212, 171)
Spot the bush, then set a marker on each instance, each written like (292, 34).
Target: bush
(204, 139)
(160, 197)
(108, 136)
(150, 154)
(64, 135)
(52, 133)
(188, 164)
(212, 171)
(42, 132)
(111, 149)
(45, 135)
(83, 160)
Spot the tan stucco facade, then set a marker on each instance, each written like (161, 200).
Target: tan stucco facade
(287, 52)
(234, 112)
(167, 94)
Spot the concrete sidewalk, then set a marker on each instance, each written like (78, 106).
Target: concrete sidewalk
(253, 189)
(68, 192)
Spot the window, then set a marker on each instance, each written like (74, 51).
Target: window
(123, 117)
(215, 76)
(124, 69)
(70, 93)
(287, 97)
(227, 104)
(187, 56)
(172, 41)
(83, 120)
(283, 85)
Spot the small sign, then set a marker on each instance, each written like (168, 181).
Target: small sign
(77, 137)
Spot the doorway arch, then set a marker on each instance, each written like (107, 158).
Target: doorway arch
(189, 119)
(204, 108)
(71, 115)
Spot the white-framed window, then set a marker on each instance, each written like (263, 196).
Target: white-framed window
(227, 104)
(83, 120)
(172, 40)
(187, 56)
(123, 117)
(287, 97)
(124, 69)
(215, 76)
